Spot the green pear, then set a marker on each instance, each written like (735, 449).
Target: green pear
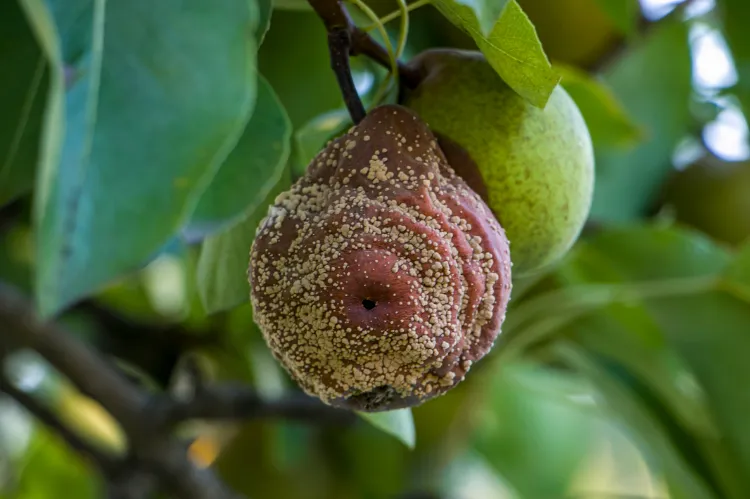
(536, 165)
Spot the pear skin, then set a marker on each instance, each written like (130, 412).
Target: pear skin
(537, 165)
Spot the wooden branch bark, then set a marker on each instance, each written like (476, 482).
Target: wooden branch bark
(236, 402)
(105, 463)
(155, 454)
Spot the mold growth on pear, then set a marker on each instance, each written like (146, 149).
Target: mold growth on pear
(380, 276)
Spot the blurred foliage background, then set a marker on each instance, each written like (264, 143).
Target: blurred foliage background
(621, 373)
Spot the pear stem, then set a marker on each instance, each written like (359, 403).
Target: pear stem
(339, 45)
(345, 39)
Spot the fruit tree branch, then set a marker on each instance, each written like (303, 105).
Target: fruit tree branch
(155, 455)
(236, 402)
(125, 402)
(102, 461)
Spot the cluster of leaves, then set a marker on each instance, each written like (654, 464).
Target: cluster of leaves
(145, 141)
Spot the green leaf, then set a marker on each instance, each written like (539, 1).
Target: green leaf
(353, 467)
(679, 337)
(608, 122)
(15, 263)
(510, 46)
(22, 99)
(623, 13)
(49, 468)
(265, 10)
(291, 5)
(736, 16)
(310, 139)
(618, 266)
(486, 12)
(710, 332)
(293, 83)
(250, 171)
(42, 23)
(223, 262)
(645, 428)
(653, 81)
(645, 253)
(398, 423)
(141, 132)
(737, 276)
(531, 414)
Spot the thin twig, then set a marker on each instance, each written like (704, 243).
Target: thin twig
(146, 419)
(88, 371)
(159, 453)
(234, 402)
(104, 462)
(339, 45)
(135, 484)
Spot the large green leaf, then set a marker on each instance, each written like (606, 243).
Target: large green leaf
(306, 87)
(140, 133)
(49, 469)
(608, 123)
(653, 262)
(644, 426)
(619, 266)
(710, 333)
(22, 98)
(653, 82)
(668, 308)
(224, 259)
(250, 171)
(354, 454)
(531, 414)
(503, 32)
(645, 253)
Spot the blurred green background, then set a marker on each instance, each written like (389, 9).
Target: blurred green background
(621, 373)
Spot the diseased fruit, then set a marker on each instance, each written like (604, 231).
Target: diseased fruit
(537, 166)
(714, 197)
(380, 277)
